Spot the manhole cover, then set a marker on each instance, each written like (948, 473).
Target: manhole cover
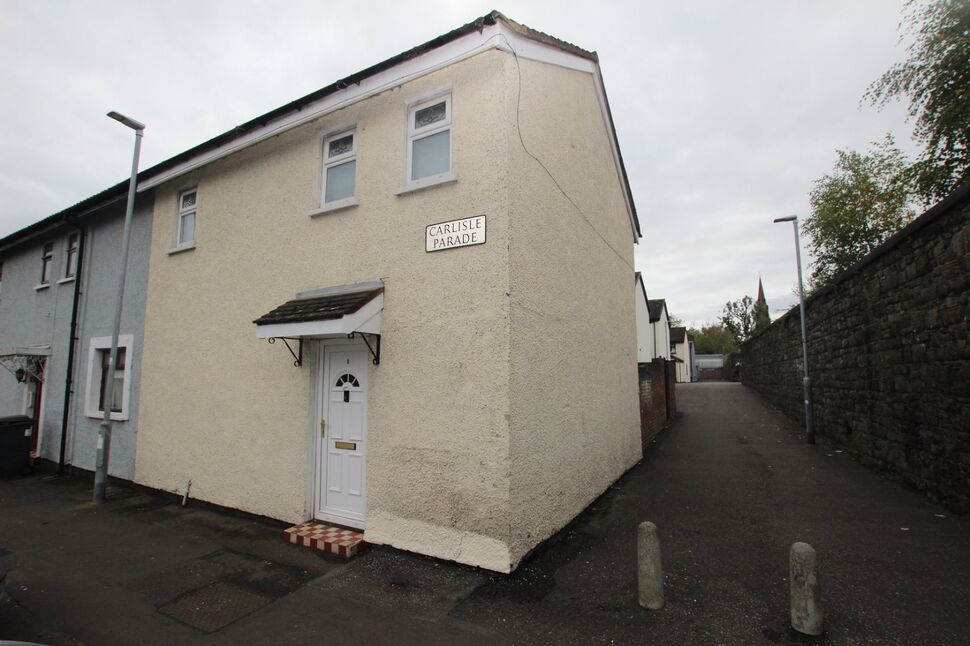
(214, 607)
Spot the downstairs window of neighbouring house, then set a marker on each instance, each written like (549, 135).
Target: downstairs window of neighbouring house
(98, 386)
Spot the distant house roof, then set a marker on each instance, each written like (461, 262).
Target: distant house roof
(638, 280)
(678, 334)
(656, 307)
(239, 132)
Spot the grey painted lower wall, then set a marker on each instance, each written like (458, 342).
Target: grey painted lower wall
(42, 317)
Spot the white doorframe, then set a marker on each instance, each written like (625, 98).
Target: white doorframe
(319, 384)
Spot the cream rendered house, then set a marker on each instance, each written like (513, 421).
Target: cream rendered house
(454, 365)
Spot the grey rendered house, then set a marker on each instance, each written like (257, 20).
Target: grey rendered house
(58, 280)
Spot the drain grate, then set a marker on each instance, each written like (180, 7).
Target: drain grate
(214, 607)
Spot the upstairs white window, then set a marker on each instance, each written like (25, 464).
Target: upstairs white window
(46, 258)
(429, 139)
(185, 236)
(70, 264)
(339, 168)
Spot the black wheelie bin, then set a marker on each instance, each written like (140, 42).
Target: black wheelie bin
(15, 436)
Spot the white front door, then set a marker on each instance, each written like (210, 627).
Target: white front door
(342, 444)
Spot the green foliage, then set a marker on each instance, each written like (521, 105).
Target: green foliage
(713, 338)
(855, 208)
(936, 79)
(738, 318)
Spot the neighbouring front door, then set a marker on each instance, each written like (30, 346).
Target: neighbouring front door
(32, 408)
(342, 444)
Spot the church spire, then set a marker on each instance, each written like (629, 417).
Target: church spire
(762, 319)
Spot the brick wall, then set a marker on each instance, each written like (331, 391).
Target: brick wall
(888, 356)
(657, 403)
(711, 374)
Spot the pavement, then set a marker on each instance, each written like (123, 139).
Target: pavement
(731, 484)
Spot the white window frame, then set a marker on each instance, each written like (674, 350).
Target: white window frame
(416, 134)
(92, 404)
(180, 214)
(46, 263)
(326, 162)
(70, 256)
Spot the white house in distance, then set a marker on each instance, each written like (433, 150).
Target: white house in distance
(682, 352)
(444, 242)
(660, 327)
(653, 325)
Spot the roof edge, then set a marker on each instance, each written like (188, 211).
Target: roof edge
(107, 196)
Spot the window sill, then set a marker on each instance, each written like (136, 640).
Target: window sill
(338, 205)
(115, 417)
(69, 279)
(427, 182)
(175, 250)
(42, 286)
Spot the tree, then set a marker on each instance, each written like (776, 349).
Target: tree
(936, 78)
(674, 321)
(855, 208)
(738, 318)
(713, 338)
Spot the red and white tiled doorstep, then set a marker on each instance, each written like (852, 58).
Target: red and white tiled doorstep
(335, 540)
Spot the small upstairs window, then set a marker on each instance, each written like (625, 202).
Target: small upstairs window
(185, 236)
(339, 168)
(429, 139)
(70, 260)
(46, 259)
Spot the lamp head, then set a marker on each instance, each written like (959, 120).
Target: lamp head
(787, 218)
(131, 123)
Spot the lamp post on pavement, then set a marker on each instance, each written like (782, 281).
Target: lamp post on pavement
(806, 382)
(107, 396)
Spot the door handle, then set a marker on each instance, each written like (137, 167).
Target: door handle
(323, 428)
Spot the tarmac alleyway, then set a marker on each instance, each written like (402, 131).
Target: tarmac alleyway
(730, 486)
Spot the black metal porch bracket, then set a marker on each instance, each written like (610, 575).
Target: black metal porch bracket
(375, 350)
(298, 356)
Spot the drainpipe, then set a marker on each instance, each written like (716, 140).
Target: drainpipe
(71, 343)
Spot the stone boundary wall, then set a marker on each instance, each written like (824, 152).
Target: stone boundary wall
(888, 356)
(657, 401)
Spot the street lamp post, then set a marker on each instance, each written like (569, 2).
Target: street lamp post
(107, 396)
(806, 382)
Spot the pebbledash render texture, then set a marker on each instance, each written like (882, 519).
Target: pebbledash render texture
(889, 356)
(501, 396)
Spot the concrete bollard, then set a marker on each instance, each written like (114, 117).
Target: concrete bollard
(806, 593)
(650, 576)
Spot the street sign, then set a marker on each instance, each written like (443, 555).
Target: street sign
(455, 233)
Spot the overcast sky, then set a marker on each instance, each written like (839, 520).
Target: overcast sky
(726, 111)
